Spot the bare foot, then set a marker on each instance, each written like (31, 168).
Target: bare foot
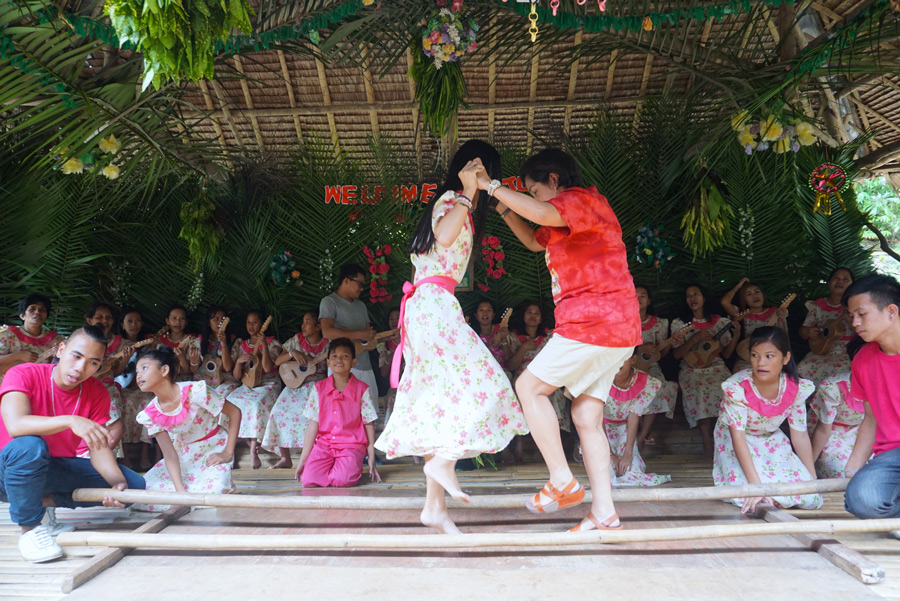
(284, 462)
(441, 471)
(439, 520)
(255, 463)
(708, 449)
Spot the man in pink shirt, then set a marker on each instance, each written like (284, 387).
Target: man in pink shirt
(47, 411)
(874, 303)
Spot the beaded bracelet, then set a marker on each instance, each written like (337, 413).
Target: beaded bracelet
(462, 200)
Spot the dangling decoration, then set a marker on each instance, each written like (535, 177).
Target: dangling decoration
(826, 180)
(533, 17)
(283, 269)
(647, 24)
(378, 270)
(554, 6)
(651, 249)
(601, 4)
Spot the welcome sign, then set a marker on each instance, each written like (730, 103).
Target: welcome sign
(351, 195)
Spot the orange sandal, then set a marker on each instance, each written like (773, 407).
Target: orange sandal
(559, 499)
(604, 525)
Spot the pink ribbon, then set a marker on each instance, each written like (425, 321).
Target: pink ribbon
(448, 284)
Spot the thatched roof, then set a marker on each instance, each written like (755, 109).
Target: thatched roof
(286, 98)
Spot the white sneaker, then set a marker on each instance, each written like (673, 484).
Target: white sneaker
(54, 527)
(38, 546)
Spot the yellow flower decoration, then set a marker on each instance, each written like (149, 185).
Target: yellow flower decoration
(73, 165)
(111, 172)
(647, 24)
(781, 146)
(805, 133)
(739, 121)
(368, 2)
(745, 137)
(426, 43)
(295, 274)
(110, 144)
(770, 129)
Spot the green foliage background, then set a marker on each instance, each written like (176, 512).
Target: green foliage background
(78, 237)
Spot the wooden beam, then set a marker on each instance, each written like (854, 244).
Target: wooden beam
(852, 562)
(645, 78)
(417, 127)
(704, 37)
(238, 64)
(207, 100)
(613, 56)
(326, 95)
(854, 85)
(827, 13)
(770, 24)
(289, 85)
(532, 97)
(370, 96)
(111, 556)
(245, 542)
(492, 80)
(223, 104)
(875, 114)
(388, 107)
(573, 81)
(864, 119)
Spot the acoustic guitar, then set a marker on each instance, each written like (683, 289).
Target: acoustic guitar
(361, 347)
(253, 370)
(113, 363)
(703, 352)
(645, 358)
(294, 375)
(43, 356)
(211, 370)
(832, 331)
(743, 347)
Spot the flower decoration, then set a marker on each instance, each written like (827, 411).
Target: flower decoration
(827, 180)
(493, 255)
(196, 294)
(72, 166)
(378, 270)
(99, 160)
(447, 37)
(651, 249)
(283, 269)
(111, 171)
(647, 24)
(326, 269)
(110, 144)
(772, 132)
(314, 36)
(745, 232)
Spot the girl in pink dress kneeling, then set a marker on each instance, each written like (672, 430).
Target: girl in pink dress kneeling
(749, 446)
(630, 396)
(834, 422)
(183, 417)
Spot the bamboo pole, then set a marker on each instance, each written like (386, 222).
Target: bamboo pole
(246, 542)
(624, 495)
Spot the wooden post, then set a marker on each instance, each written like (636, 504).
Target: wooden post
(110, 557)
(477, 502)
(855, 564)
(222, 542)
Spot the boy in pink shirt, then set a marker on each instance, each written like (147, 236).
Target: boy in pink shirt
(341, 429)
(874, 303)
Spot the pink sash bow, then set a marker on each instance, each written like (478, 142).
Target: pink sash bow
(448, 284)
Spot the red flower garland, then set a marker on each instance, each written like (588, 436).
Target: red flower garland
(493, 255)
(378, 269)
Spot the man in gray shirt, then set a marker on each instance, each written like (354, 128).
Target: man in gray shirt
(343, 315)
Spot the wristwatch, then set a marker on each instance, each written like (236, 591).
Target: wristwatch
(492, 187)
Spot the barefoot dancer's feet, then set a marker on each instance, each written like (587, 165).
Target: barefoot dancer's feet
(442, 471)
(439, 520)
(284, 462)
(592, 523)
(255, 463)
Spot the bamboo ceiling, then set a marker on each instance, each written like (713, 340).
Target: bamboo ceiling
(277, 99)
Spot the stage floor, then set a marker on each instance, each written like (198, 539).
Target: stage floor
(775, 567)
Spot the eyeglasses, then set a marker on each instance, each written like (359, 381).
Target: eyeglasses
(360, 283)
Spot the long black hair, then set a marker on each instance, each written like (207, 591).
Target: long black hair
(163, 355)
(709, 304)
(210, 336)
(779, 340)
(423, 239)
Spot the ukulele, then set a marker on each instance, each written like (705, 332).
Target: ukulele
(294, 375)
(211, 369)
(361, 347)
(743, 348)
(44, 356)
(644, 359)
(702, 353)
(112, 363)
(832, 331)
(253, 372)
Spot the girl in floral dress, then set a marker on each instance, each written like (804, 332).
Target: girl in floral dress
(184, 418)
(454, 401)
(386, 352)
(255, 403)
(701, 386)
(133, 399)
(494, 337)
(654, 330)
(631, 395)
(286, 427)
(102, 315)
(187, 351)
(750, 447)
(751, 298)
(834, 422)
(818, 367)
(214, 345)
(25, 343)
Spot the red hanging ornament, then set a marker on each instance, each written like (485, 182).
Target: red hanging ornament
(827, 180)
(601, 4)
(554, 5)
